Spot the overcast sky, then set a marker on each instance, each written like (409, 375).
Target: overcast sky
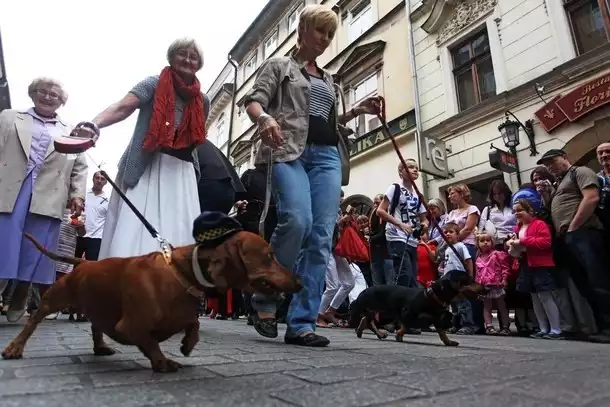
(99, 50)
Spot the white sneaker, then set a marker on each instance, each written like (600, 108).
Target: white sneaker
(53, 316)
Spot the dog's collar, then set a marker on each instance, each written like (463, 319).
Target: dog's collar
(202, 276)
(430, 293)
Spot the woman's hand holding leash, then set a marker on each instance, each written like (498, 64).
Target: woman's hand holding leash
(371, 105)
(270, 131)
(86, 130)
(76, 206)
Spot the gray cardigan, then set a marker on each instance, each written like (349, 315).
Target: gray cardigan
(135, 160)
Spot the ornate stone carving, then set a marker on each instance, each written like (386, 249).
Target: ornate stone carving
(440, 12)
(466, 12)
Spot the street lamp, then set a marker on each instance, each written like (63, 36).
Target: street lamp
(510, 133)
(510, 136)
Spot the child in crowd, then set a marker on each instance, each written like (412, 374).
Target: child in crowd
(532, 245)
(492, 272)
(426, 260)
(453, 264)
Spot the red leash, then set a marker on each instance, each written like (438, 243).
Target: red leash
(386, 129)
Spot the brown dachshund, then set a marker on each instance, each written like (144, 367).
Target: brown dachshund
(145, 300)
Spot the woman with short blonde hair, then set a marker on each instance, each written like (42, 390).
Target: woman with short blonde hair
(310, 162)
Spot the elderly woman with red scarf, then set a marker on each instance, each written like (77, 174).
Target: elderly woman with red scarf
(158, 172)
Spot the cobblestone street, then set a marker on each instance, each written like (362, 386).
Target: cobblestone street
(233, 366)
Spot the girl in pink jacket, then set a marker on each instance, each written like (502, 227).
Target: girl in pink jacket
(492, 271)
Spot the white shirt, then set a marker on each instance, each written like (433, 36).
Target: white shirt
(504, 221)
(408, 211)
(452, 262)
(96, 209)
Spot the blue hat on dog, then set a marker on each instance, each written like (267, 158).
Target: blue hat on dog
(213, 227)
(530, 194)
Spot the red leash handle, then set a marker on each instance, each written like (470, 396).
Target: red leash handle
(381, 115)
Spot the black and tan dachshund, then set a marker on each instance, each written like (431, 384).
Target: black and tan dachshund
(412, 307)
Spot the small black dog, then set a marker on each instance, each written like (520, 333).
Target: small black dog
(413, 307)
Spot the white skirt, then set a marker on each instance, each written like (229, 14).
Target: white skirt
(166, 195)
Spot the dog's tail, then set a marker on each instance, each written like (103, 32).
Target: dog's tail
(54, 256)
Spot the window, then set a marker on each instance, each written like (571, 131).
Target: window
(590, 23)
(221, 137)
(361, 19)
(293, 19)
(473, 71)
(270, 45)
(250, 67)
(364, 123)
(246, 123)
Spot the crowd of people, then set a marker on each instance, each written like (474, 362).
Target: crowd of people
(539, 249)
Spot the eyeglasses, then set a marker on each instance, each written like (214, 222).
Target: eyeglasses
(44, 93)
(188, 55)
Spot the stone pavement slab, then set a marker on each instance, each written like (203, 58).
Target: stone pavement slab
(233, 366)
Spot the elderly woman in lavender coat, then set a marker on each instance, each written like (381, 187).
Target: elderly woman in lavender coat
(36, 184)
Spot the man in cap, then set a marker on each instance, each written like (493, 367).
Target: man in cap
(572, 205)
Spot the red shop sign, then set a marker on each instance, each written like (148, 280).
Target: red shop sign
(585, 98)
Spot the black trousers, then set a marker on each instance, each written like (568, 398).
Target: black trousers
(90, 247)
(590, 271)
(216, 195)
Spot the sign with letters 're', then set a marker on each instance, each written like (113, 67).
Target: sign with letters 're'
(432, 156)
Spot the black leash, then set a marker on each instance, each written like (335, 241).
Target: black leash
(165, 245)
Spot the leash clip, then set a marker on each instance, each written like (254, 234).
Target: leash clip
(166, 249)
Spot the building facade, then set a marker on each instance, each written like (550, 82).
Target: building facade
(543, 63)
(369, 56)
(221, 96)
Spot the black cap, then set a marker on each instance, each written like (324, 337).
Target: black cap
(555, 152)
(213, 227)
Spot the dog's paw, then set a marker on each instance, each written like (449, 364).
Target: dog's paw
(103, 351)
(398, 338)
(452, 343)
(382, 335)
(12, 351)
(166, 366)
(358, 333)
(186, 350)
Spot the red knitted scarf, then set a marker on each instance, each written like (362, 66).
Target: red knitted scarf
(191, 131)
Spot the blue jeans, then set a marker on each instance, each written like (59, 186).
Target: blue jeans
(307, 192)
(404, 260)
(382, 269)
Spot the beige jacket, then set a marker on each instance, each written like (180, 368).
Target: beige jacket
(61, 178)
(282, 89)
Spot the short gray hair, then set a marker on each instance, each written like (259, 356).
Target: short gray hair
(42, 80)
(439, 204)
(183, 43)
